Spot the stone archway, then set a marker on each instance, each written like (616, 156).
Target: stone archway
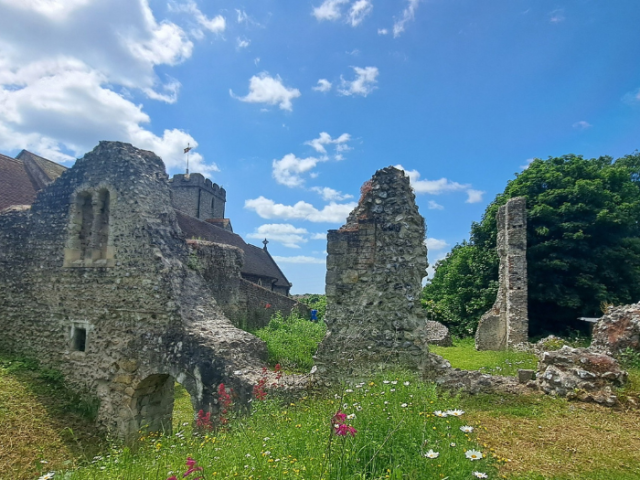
(152, 404)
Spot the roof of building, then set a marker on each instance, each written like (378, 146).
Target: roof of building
(257, 261)
(22, 177)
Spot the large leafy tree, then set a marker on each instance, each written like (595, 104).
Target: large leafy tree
(583, 236)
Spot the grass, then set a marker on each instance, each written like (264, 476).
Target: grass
(43, 426)
(292, 341)
(464, 355)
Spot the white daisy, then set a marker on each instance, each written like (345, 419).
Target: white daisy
(351, 416)
(406, 384)
(404, 405)
(473, 454)
(440, 413)
(47, 476)
(455, 413)
(395, 382)
(480, 475)
(385, 381)
(431, 454)
(466, 429)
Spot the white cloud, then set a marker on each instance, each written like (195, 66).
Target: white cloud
(582, 125)
(284, 233)
(431, 205)
(364, 83)
(319, 236)
(242, 16)
(325, 139)
(433, 187)
(324, 85)
(408, 14)
(61, 90)
(266, 89)
(526, 165)
(474, 196)
(329, 10)
(433, 260)
(329, 194)
(216, 24)
(333, 213)
(359, 10)
(242, 43)
(299, 259)
(436, 244)
(288, 169)
(557, 15)
(383, 31)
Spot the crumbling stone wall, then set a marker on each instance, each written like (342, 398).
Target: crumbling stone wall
(618, 330)
(247, 305)
(123, 330)
(507, 323)
(375, 266)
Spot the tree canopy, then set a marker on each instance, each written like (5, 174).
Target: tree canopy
(583, 238)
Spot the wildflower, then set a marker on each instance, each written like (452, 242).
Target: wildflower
(339, 417)
(404, 405)
(348, 390)
(406, 384)
(466, 429)
(480, 475)
(432, 454)
(47, 476)
(351, 416)
(344, 430)
(358, 408)
(385, 381)
(455, 413)
(473, 455)
(267, 453)
(452, 444)
(440, 413)
(395, 382)
(392, 390)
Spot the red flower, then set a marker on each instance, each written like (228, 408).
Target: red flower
(343, 430)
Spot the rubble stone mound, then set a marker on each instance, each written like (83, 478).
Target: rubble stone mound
(580, 373)
(438, 334)
(375, 266)
(618, 330)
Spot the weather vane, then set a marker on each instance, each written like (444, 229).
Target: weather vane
(186, 151)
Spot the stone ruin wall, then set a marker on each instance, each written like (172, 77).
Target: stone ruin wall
(148, 319)
(247, 305)
(375, 266)
(507, 323)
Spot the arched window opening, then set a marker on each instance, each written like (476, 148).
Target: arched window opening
(101, 226)
(85, 210)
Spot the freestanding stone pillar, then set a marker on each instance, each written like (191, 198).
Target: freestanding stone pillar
(375, 266)
(507, 323)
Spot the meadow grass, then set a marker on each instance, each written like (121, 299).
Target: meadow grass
(292, 341)
(464, 355)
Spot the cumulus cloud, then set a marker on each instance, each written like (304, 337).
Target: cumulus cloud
(60, 96)
(299, 259)
(215, 24)
(408, 14)
(363, 84)
(332, 213)
(324, 85)
(436, 244)
(266, 89)
(329, 10)
(582, 125)
(288, 170)
(526, 165)
(329, 194)
(433, 187)
(283, 233)
(359, 9)
(325, 139)
(474, 196)
(431, 205)
(319, 236)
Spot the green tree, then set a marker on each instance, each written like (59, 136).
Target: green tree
(583, 236)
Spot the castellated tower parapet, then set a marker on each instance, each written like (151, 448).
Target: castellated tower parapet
(197, 196)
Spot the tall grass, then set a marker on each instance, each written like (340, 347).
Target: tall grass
(292, 341)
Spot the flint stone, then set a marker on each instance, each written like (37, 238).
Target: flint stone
(438, 334)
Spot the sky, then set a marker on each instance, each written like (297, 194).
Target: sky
(292, 106)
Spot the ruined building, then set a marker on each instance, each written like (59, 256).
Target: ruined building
(99, 279)
(507, 323)
(375, 266)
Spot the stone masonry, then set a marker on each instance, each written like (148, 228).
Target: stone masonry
(375, 266)
(507, 323)
(96, 280)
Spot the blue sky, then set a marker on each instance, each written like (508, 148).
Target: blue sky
(291, 106)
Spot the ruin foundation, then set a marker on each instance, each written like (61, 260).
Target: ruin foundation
(507, 323)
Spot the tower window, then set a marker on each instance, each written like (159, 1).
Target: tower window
(79, 339)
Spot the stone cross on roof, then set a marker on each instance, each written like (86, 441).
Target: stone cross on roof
(265, 242)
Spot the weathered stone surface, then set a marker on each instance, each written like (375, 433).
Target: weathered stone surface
(618, 330)
(375, 266)
(580, 373)
(95, 280)
(438, 334)
(507, 323)
(525, 375)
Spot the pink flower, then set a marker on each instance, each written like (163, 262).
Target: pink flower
(343, 430)
(339, 417)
